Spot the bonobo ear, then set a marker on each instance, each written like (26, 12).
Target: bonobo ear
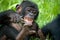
(18, 8)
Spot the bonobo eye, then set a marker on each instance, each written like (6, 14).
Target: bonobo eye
(34, 12)
(28, 9)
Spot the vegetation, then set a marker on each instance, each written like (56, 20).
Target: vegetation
(48, 10)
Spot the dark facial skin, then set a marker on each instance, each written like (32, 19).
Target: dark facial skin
(30, 12)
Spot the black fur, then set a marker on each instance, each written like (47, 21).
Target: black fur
(53, 29)
(5, 22)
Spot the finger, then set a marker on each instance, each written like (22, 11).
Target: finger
(32, 32)
(14, 18)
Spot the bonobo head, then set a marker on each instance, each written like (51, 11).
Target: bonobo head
(28, 10)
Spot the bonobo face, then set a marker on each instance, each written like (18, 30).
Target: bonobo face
(30, 13)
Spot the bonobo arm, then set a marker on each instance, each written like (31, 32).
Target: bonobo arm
(10, 32)
(38, 31)
(41, 35)
(9, 15)
(13, 34)
(2, 37)
(24, 32)
(45, 31)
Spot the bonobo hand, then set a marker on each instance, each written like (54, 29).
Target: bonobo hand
(24, 32)
(16, 18)
(27, 29)
(40, 33)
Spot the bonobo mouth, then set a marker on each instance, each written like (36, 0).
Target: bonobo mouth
(28, 20)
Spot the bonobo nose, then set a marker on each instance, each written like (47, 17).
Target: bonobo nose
(31, 14)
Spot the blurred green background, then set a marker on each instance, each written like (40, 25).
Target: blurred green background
(48, 9)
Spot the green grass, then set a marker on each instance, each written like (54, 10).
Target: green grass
(48, 9)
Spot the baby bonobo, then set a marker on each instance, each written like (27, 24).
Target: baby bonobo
(29, 12)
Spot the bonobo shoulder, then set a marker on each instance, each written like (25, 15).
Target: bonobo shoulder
(6, 12)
